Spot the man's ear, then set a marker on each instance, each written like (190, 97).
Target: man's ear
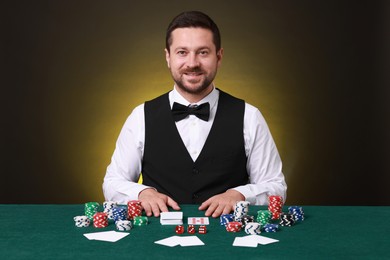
(167, 57)
(219, 56)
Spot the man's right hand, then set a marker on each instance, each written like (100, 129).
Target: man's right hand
(154, 202)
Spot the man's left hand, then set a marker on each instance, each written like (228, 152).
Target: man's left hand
(221, 203)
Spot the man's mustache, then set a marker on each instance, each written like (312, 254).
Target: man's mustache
(192, 70)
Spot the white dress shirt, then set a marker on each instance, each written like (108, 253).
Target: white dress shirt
(264, 165)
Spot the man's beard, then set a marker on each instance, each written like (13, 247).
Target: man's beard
(200, 87)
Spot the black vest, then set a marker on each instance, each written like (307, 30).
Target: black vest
(167, 165)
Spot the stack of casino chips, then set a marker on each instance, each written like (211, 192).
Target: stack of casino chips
(275, 206)
(241, 209)
(134, 209)
(119, 213)
(297, 213)
(226, 218)
(81, 221)
(123, 225)
(90, 209)
(100, 220)
(108, 206)
(263, 217)
(233, 226)
(247, 219)
(270, 228)
(252, 228)
(286, 220)
(140, 221)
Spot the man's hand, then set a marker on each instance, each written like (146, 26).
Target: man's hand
(154, 202)
(222, 203)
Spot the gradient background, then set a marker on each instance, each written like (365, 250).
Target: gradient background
(72, 71)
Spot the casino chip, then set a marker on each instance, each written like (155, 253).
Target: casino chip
(286, 220)
(275, 206)
(140, 221)
(119, 213)
(134, 209)
(252, 228)
(263, 217)
(270, 227)
(233, 226)
(100, 220)
(247, 219)
(297, 213)
(123, 225)
(81, 221)
(241, 209)
(226, 218)
(108, 206)
(90, 209)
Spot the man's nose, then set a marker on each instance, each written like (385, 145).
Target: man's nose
(193, 60)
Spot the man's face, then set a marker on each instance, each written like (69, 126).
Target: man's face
(193, 59)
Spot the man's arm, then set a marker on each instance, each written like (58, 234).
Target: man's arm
(264, 168)
(120, 183)
(264, 165)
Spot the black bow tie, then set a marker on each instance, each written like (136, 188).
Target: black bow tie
(180, 112)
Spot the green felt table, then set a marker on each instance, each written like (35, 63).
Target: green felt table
(328, 232)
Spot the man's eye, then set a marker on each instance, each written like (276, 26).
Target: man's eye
(181, 53)
(203, 53)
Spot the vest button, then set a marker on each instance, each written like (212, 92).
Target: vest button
(195, 196)
(195, 171)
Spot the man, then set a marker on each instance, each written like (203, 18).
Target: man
(195, 144)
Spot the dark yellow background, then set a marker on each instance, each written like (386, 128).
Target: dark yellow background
(74, 70)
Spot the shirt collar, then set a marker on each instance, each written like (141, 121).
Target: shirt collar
(212, 98)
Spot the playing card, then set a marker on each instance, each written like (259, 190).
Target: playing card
(170, 241)
(191, 241)
(244, 241)
(253, 241)
(109, 236)
(198, 221)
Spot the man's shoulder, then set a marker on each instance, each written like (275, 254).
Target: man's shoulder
(248, 107)
(225, 95)
(158, 100)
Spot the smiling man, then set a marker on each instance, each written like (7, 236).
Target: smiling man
(195, 144)
(193, 60)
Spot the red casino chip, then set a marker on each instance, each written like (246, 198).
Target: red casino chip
(100, 220)
(233, 226)
(134, 209)
(275, 206)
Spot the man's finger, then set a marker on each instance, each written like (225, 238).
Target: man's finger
(217, 212)
(205, 205)
(147, 208)
(162, 206)
(156, 209)
(173, 204)
(211, 209)
(227, 209)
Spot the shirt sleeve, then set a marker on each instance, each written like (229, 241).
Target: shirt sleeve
(264, 165)
(121, 180)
